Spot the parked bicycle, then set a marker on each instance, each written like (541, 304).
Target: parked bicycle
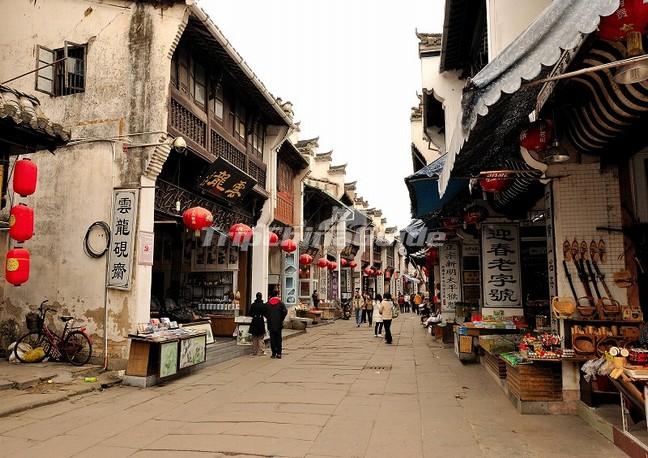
(73, 345)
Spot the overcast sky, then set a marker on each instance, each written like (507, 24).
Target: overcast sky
(351, 69)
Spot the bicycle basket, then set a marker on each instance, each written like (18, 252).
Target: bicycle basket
(34, 322)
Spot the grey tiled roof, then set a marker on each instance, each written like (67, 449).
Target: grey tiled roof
(24, 111)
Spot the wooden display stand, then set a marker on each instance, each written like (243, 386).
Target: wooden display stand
(223, 325)
(150, 361)
(535, 382)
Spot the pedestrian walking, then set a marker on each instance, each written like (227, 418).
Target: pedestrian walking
(385, 310)
(369, 306)
(358, 303)
(378, 321)
(258, 311)
(401, 303)
(276, 314)
(366, 299)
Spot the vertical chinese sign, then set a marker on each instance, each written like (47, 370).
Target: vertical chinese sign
(501, 265)
(449, 262)
(120, 254)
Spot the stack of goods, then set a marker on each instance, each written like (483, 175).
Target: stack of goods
(596, 340)
(493, 322)
(161, 330)
(541, 346)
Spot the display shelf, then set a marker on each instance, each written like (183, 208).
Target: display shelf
(585, 320)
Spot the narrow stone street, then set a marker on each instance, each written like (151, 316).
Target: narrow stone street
(338, 392)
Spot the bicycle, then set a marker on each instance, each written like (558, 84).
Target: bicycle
(74, 344)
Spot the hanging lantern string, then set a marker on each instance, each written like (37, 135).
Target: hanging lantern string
(583, 71)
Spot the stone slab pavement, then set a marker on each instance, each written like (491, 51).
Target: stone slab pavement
(338, 392)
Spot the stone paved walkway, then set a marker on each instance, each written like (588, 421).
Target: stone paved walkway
(338, 392)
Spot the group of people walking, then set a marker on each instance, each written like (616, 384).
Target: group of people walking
(274, 311)
(378, 311)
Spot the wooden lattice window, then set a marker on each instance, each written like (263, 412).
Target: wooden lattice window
(61, 71)
(187, 123)
(223, 148)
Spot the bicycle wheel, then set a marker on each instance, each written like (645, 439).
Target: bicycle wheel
(34, 340)
(77, 348)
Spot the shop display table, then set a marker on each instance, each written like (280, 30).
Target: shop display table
(467, 339)
(155, 357)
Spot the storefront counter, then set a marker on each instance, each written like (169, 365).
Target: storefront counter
(155, 357)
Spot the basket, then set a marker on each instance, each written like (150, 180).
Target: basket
(604, 344)
(583, 344)
(34, 322)
(563, 307)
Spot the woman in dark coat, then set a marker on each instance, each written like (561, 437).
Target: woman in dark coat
(258, 311)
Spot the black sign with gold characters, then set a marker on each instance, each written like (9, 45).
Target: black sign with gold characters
(224, 180)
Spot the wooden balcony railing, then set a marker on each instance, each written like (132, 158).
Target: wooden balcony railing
(208, 139)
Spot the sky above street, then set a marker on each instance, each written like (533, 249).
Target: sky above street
(351, 69)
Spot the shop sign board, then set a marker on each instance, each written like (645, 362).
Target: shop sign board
(449, 269)
(120, 254)
(501, 265)
(226, 181)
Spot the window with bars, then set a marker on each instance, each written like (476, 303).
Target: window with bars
(189, 77)
(216, 101)
(61, 71)
(258, 138)
(239, 121)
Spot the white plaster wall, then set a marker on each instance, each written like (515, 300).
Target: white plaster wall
(583, 199)
(506, 19)
(124, 94)
(447, 89)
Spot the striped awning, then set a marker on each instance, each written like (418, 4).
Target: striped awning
(524, 179)
(611, 108)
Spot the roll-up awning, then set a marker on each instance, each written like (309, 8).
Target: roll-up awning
(493, 104)
(610, 108)
(423, 189)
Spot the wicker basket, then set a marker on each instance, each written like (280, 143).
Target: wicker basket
(563, 307)
(583, 344)
(605, 343)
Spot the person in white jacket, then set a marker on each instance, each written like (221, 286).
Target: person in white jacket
(378, 321)
(385, 310)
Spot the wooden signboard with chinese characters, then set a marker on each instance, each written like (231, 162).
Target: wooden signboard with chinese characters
(501, 265)
(122, 245)
(226, 181)
(450, 273)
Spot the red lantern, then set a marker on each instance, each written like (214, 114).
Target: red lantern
(494, 182)
(197, 218)
(332, 265)
(451, 223)
(25, 177)
(368, 271)
(240, 234)
(305, 259)
(17, 266)
(377, 273)
(353, 264)
(538, 136)
(432, 256)
(322, 262)
(273, 239)
(21, 223)
(343, 262)
(475, 214)
(631, 16)
(288, 245)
